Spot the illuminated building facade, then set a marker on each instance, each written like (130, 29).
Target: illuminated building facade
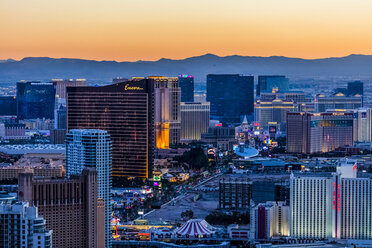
(337, 101)
(274, 111)
(92, 148)
(311, 207)
(270, 219)
(126, 111)
(69, 206)
(21, 226)
(231, 97)
(318, 132)
(194, 119)
(271, 83)
(35, 100)
(336, 206)
(362, 125)
(186, 83)
(167, 111)
(295, 96)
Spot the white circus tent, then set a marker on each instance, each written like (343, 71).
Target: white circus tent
(195, 228)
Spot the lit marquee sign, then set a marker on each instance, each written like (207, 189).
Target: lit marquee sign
(157, 178)
(186, 76)
(132, 87)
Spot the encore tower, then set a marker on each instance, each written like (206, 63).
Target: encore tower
(126, 111)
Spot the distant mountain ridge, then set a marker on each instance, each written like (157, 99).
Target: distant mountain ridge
(44, 68)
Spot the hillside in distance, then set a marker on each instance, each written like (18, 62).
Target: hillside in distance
(43, 68)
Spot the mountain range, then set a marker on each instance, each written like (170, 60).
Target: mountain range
(44, 68)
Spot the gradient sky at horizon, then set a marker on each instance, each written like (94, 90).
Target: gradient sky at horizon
(130, 30)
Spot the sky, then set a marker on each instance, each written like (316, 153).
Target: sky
(131, 30)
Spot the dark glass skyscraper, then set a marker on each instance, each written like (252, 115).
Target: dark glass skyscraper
(266, 84)
(8, 105)
(35, 100)
(126, 111)
(186, 82)
(231, 96)
(355, 88)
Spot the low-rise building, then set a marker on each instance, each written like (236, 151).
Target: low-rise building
(220, 137)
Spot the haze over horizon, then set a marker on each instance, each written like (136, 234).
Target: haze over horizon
(124, 30)
(196, 56)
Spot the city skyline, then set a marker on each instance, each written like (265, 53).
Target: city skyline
(150, 30)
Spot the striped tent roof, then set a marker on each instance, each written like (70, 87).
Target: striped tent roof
(195, 227)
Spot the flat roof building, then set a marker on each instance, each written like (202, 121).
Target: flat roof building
(194, 119)
(71, 207)
(126, 111)
(318, 132)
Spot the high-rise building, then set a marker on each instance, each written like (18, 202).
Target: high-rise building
(21, 226)
(186, 83)
(8, 105)
(235, 193)
(126, 111)
(62, 84)
(231, 97)
(355, 88)
(311, 207)
(334, 206)
(70, 207)
(194, 119)
(60, 118)
(362, 131)
(270, 219)
(92, 148)
(273, 112)
(318, 132)
(271, 83)
(35, 100)
(167, 111)
(338, 101)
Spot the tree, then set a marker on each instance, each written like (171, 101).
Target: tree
(221, 218)
(188, 214)
(196, 158)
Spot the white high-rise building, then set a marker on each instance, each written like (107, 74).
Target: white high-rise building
(337, 206)
(362, 126)
(20, 226)
(194, 119)
(311, 207)
(92, 148)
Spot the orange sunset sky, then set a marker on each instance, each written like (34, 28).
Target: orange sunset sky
(130, 30)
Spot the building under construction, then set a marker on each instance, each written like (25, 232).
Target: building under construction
(235, 193)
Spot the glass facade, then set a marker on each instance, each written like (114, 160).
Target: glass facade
(268, 84)
(126, 111)
(8, 105)
(230, 96)
(35, 100)
(186, 83)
